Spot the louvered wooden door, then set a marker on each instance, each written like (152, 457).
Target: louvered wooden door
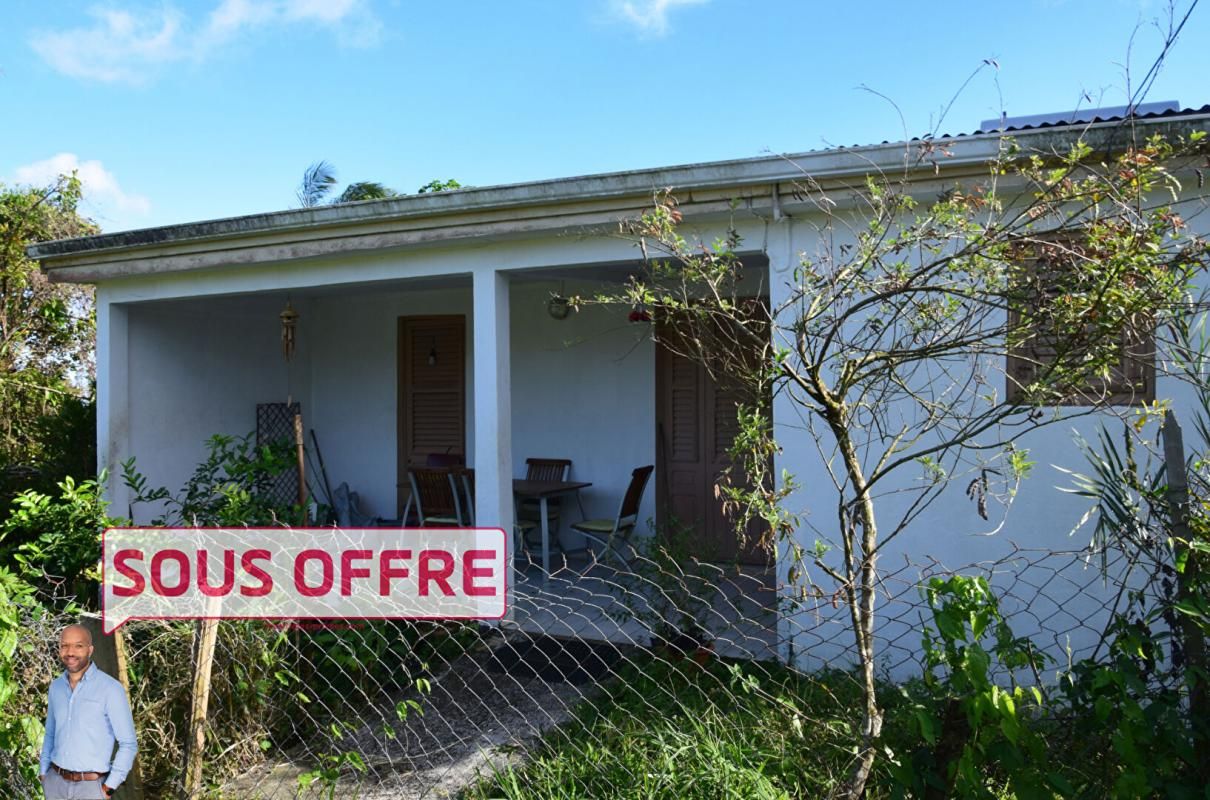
(432, 391)
(695, 426)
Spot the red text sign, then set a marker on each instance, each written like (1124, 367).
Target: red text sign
(310, 573)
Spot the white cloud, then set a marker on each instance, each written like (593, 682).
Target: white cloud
(649, 16)
(328, 11)
(119, 47)
(124, 46)
(101, 189)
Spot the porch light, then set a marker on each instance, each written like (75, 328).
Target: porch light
(433, 354)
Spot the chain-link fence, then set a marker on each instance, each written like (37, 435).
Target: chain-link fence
(604, 680)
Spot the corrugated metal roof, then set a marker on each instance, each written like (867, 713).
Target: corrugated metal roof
(1088, 117)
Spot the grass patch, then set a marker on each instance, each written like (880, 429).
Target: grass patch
(674, 729)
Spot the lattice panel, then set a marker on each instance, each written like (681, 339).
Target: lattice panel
(274, 424)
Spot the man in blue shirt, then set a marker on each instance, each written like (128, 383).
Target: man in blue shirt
(88, 712)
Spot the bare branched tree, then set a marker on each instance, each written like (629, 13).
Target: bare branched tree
(921, 340)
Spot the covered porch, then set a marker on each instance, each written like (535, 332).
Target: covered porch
(388, 372)
(190, 343)
(384, 372)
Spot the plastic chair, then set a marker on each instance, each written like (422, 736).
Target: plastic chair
(606, 531)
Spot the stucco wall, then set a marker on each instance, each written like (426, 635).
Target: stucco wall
(199, 368)
(581, 389)
(1070, 601)
(584, 389)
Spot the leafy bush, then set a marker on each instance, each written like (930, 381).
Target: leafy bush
(229, 487)
(968, 727)
(21, 726)
(68, 442)
(55, 542)
(63, 443)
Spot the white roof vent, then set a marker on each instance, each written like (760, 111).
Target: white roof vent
(1080, 115)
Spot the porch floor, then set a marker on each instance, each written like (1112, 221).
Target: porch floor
(584, 598)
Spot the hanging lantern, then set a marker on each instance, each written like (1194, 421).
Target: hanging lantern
(558, 307)
(289, 321)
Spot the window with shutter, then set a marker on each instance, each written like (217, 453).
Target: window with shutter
(1041, 345)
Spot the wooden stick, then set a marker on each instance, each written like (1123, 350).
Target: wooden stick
(302, 470)
(207, 636)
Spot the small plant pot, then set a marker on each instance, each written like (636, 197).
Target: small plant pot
(704, 654)
(684, 646)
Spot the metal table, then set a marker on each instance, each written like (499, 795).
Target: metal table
(542, 491)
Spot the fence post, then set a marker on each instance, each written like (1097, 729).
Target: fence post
(1187, 580)
(109, 654)
(207, 633)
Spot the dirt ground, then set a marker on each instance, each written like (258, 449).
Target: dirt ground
(483, 712)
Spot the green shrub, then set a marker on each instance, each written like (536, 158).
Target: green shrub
(1129, 728)
(973, 724)
(20, 729)
(250, 705)
(230, 487)
(55, 542)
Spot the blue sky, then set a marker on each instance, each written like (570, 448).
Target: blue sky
(179, 110)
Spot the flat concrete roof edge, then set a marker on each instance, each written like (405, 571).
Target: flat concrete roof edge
(817, 164)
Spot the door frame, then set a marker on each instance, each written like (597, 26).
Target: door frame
(706, 428)
(403, 372)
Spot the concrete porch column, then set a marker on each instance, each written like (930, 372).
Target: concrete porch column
(113, 399)
(493, 403)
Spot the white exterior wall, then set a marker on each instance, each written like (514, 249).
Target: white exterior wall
(584, 389)
(196, 369)
(1041, 517)
(354, 404)
(581, 389)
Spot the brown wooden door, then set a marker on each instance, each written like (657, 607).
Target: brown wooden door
(432, 391)
(696, 425)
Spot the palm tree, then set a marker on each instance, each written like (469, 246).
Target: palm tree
(317, 181)
(320, 179)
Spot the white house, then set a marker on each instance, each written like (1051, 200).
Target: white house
(424, 326)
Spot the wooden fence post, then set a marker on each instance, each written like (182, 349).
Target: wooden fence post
(207, 638)
(1192, 636)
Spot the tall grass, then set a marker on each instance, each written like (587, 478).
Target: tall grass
(674, 729)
